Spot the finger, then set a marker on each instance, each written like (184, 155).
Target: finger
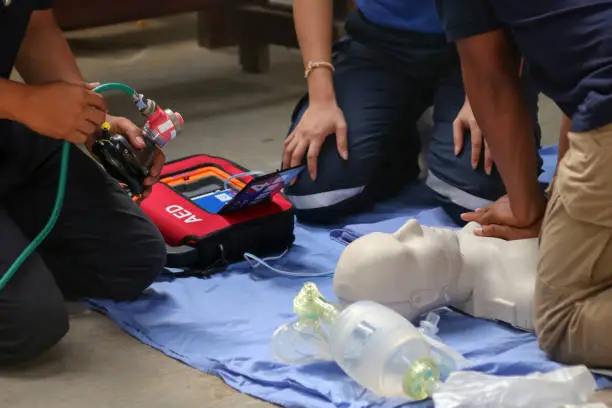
(504, 232)
(495, 218)
(85, 84)
(78, 137)
(289, 139)
(95, 116)
(488, 159)
(290, 144)
(458, 132)
(478, 212)
(156, 167)
(342, 140)
(86, 127)
(97, 101)
(312, 157)
(298, 154)
(127, 128)
(476, 143)
(492, 231)
(483, 209)
(91, 85)
(473, 216)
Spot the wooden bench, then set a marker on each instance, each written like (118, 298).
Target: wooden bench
(261, 25)
(253, 25)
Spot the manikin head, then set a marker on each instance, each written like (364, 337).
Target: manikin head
(412, 270)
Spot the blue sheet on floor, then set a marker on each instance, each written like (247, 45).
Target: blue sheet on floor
(223, 325)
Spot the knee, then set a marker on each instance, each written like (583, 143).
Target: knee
(553, 319)
(454, 178)
(140, 265)
(32, 327)
(565, 337)
(556, 341)
(549, 339)
(315, 205)
(341, 188)
(548, 321)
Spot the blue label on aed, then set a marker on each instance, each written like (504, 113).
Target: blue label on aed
(213, 202)
(224, 196)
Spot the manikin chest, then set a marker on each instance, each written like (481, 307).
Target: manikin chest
(503, 279)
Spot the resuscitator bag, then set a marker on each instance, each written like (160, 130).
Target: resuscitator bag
(374, 345)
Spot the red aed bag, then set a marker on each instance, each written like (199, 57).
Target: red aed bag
(209, 211)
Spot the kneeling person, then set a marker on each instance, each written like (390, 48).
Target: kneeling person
(103, 245)
(566, 46)
(357, 127)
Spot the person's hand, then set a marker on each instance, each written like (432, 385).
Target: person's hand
(498, 221)
(466, 121)
(318, 122)
(133, 134)
(61, 110)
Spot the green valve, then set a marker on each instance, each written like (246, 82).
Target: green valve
(310, 304)
(421, 380)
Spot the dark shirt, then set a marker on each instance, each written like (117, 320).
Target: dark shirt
(21, 150)
(567, 46)
(14, 21)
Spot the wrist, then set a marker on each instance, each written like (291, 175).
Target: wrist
(321, 86)
(532, 210)
(538, 209)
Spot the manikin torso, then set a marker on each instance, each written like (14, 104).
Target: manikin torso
(418, 269)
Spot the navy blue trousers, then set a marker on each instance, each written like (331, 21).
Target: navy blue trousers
(384, 81)
(103, 246)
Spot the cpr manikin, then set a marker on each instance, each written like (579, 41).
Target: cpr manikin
(418, 269)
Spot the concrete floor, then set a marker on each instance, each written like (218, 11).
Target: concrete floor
(227, 113)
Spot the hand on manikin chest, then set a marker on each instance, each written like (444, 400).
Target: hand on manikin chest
(418, 269)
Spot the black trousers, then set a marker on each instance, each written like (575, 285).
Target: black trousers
(103, 245)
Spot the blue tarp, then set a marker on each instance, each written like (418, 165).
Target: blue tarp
(223, 325)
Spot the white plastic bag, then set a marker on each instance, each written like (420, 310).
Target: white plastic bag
(566, 386)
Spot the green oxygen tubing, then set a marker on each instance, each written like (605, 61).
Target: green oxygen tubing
(61, 190)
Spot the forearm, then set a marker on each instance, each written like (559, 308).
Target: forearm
(314, 28)
(497, 100)
(45, 55)
(12, 99)
(520, 73)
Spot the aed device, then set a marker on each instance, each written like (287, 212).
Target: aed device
(211, 211)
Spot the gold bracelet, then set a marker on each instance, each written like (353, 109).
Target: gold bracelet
(312, 65)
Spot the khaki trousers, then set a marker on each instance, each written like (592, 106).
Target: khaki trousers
(573, 299)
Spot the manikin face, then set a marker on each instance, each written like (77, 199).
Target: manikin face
(410, 269)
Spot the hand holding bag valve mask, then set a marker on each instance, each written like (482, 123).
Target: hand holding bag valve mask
(114, 153)
(127, 164)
